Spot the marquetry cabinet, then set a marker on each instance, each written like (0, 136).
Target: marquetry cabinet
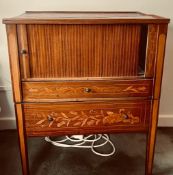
(86, 72)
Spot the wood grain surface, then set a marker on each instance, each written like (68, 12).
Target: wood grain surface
(83, 50)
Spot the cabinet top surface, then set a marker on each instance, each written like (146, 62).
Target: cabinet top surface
(60, 17)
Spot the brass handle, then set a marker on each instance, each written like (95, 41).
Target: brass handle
(23, 52)
(49, 118)
(87, 90)
(125, 116)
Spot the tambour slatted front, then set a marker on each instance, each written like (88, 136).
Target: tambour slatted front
(86, 73)
(83, 50)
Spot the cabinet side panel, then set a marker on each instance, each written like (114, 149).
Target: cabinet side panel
(22, 139)
(151, 52)
(162, 33)
(14, 61)
(160, 59)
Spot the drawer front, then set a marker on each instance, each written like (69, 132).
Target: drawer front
(69, 91)
(88, 117)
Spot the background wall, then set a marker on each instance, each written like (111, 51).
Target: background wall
(10, 8)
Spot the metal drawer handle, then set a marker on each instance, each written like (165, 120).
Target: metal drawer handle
(23, 52)
(87, 90)
(125, 116)
(49, 118)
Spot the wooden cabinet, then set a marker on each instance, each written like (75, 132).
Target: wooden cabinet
(86, 72)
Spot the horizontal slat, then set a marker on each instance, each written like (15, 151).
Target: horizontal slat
(56, 91)
(51, 118)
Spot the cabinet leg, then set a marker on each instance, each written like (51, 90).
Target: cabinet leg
(22, 140)
(152, 138)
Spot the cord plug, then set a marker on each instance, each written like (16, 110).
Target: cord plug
(79, 137)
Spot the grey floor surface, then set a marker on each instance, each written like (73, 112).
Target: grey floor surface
(46, 159)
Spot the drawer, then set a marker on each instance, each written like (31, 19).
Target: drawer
(88, 90)
(86, 117)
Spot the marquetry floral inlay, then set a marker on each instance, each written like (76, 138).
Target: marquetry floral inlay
(87, 118)
(135, 89)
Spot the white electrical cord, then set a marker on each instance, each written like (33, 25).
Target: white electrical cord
(81, 143)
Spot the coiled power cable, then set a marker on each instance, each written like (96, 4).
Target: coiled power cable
(91, 142)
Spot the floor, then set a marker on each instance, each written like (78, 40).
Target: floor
(46, 159)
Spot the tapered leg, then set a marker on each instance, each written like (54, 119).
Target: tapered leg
(152, 138)
(22, 140)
